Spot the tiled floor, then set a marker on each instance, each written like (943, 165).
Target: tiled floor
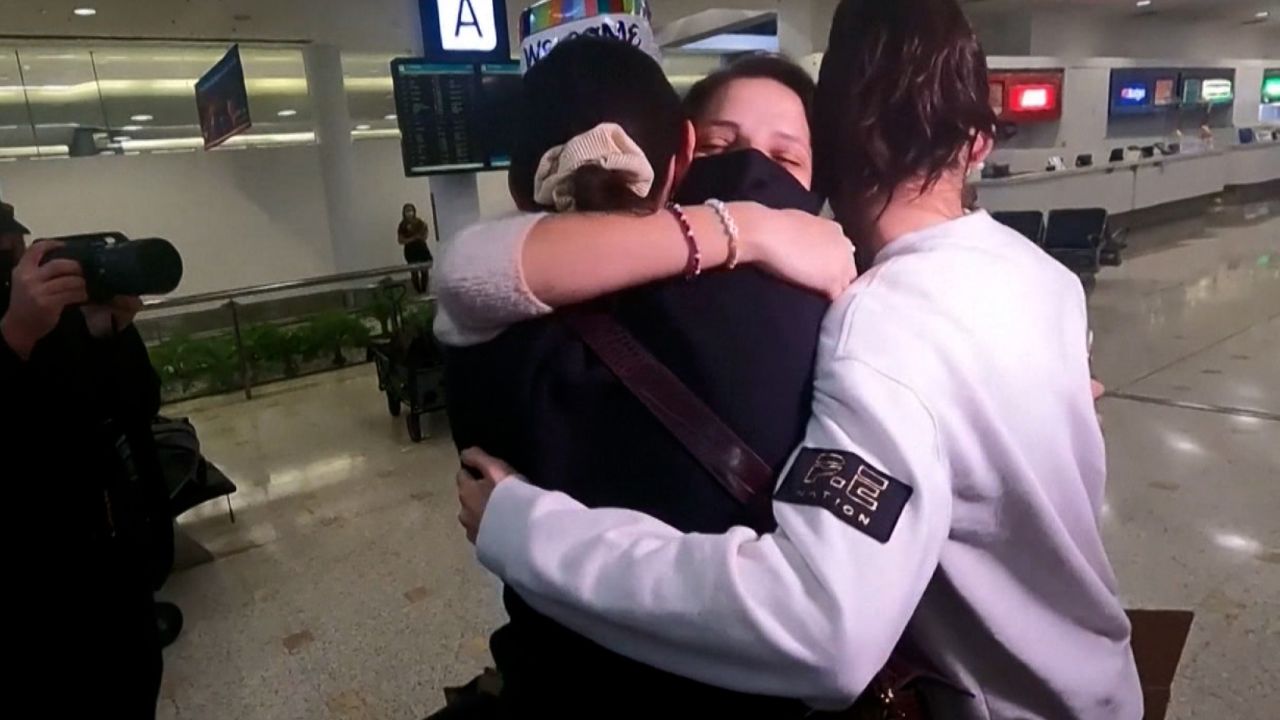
(345, 589)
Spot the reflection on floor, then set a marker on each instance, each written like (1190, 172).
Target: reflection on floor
(345, 589)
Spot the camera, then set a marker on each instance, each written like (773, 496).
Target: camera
(115, 265)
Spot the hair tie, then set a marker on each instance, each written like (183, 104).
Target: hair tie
(606, 145)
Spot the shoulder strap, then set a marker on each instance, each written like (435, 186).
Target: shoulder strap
(715, 445)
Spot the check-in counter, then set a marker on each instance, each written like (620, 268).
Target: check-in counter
(1178, 177)
(1109, 187)
(1253, 164)
(1122, 187)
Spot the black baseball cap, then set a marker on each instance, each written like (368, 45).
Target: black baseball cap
(9, 224)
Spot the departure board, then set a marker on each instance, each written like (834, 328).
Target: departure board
(438, 107)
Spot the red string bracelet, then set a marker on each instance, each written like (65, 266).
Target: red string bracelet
(694, 268)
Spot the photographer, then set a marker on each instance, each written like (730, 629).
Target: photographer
(87, 523)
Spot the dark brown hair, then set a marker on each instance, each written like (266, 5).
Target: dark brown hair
(903, 95)
(580, 84)
(764, 66)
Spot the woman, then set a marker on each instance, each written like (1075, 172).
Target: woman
(743, 342)
(948, 491)
(760, 102)
(412, 235)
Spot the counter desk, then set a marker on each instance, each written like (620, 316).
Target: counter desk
(1134, 185)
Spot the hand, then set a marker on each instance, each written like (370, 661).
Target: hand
(39, 295)
(473, 492)
(105, 321)
(802, 249)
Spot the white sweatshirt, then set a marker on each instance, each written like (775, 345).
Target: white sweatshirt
(949, 486)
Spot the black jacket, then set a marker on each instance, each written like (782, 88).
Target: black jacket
(87, 530)
(537, 397)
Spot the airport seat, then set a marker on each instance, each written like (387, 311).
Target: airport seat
(1028, 223)
(1076, 237)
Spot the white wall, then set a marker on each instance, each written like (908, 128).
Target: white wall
(239, 217)
(1075, 34)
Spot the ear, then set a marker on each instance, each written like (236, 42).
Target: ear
(684, 158)
(983, 146)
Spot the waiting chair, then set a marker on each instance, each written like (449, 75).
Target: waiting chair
(1028, 223)
(1075, 238)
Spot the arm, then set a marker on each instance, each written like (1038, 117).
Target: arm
(501, 272)
(811, 611)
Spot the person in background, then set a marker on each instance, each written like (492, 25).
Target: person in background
(946, 498)
(412, 235)
(90, 534)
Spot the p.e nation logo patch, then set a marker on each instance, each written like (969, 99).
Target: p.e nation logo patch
(848, 487)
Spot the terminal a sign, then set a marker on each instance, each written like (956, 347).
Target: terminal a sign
(465, 31)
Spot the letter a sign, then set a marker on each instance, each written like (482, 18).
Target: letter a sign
(465, 31)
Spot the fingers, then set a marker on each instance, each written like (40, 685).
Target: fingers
(35, 254)
(65, 285)
(489, 467)
(57, 269)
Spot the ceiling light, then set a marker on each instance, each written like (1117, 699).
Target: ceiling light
(121, 138)
(392, 116)
(85, 12)
(1262, 15)
(287, 113)
(1144, 3)
(142, 118)
(132, 128)
(363, 126)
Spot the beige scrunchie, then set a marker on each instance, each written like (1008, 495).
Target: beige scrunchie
(608, 146)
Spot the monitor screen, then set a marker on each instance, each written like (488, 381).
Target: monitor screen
(1271, 89)
(456, 118)
(1217, 90)
(501, 94)
(222, 100)
(1166, 94)
(1133, 95)
(1191, 91)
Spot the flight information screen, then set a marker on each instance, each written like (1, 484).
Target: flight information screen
(437, 108)
(455, 118)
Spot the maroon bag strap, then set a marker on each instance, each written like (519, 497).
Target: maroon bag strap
(713, 443)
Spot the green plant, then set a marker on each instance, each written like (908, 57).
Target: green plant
(333, 331)
(184, 362)
(272, 345)
(420, 319)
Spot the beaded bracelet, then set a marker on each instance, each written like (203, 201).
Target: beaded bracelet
(731, 230)
(694, 268)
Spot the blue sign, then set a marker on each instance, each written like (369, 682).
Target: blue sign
(466, 32)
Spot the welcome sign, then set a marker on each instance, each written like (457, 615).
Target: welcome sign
(545, 24)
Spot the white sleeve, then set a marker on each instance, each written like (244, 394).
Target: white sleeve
(479, 281)
(812, 611)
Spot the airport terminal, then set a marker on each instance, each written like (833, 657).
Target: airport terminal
(305, 253)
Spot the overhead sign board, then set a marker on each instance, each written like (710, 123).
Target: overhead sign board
(465, 32)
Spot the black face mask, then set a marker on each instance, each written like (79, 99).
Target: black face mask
(746, 175)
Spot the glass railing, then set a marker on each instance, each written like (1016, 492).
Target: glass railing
(236, 340)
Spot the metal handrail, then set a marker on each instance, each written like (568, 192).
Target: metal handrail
(254, 290)
(229, 298)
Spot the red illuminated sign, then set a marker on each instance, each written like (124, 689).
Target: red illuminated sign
(1033, 98)
(1029, 96)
